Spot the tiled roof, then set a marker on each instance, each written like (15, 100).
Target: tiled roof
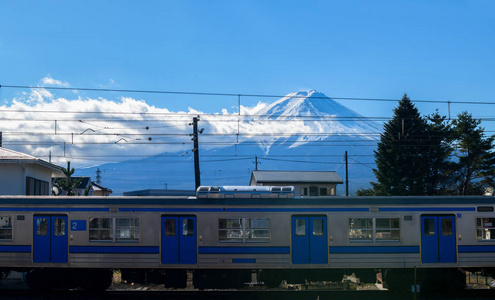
(11, 156)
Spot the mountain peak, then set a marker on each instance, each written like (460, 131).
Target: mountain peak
(307, 103)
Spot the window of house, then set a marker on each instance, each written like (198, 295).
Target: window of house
(114, 229)
(5, 228)
(37, 187)
(374, 229)
(313, 191)
(304, 191)
(485, 229)
(244, 230)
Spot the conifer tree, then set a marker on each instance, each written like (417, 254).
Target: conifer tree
(473, 169)
(68, 183)
(401, 168)
(437, 154)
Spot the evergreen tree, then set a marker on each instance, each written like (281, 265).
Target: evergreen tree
(401, 168)
(68, 183)
(437, 154)
(473, 169)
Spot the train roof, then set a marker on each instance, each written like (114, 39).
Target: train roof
(184, 200)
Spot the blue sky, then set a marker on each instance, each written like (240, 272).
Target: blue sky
(433, 50)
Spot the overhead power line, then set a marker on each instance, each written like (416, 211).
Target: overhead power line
(232, 94)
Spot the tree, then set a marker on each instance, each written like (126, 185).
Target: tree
(437, 154)
(401, 168)
(68, 183)
(473, 169)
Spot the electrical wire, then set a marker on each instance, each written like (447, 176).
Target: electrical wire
(235, 95)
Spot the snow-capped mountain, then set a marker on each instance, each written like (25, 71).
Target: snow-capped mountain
(301, 131)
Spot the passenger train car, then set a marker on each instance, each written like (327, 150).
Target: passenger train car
(81, 240)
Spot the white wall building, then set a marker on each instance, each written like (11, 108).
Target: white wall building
(22, 174)
(305, 183)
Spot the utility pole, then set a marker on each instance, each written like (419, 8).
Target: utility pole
(197, 176)
(256, 163)
(346, 176)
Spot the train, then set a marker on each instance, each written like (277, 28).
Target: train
(226, 241)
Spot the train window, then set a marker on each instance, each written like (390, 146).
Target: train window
(101, 229)
(446, 227)
(126, 229)
(5, 228)
(318, 227)
(485, 229)
(114, 229)
(361, 230)
(300, 227)
(287, 189)
(41, 227)
(230, 230)
(169, 227)
(187, 227)
(276, 189)
(244, 230)
(429, 227)
(59, 229)
(387, 229)
(257, 230)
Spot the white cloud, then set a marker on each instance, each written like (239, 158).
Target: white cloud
(48, 80)
(96, 131)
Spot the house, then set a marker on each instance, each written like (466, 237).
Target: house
(85, 188)
(22, 174)
(99, 190)
(305, 183)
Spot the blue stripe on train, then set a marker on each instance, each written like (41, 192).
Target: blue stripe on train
(476, 248)
(375, 249)
(244, 261)
(244, 250)
(427, 209)
(21, 249)
(114, 249)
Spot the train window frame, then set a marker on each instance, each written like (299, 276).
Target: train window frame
(244, 230)
(373, 231)
(116, 231)
(485, 226)
(356, 232)
(6, 231)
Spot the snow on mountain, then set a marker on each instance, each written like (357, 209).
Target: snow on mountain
(313, 113)
(301, 131)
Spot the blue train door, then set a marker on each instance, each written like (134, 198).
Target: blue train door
(309, 240)
(50, 242)
(438, 239)
(179, 242)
